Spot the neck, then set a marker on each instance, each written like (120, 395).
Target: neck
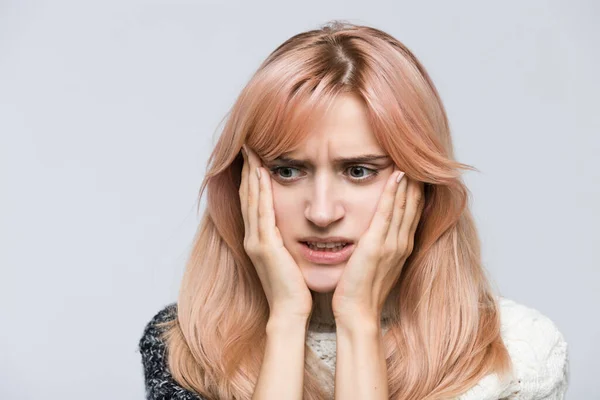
(322, 313)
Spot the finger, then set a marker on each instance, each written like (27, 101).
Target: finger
(252, 192)
(266, 213)
(421, 206)
(413, 196)
(244, 192)
(383, 214)
(398, 211)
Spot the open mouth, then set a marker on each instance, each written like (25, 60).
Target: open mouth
(336, 254)
(329, 248)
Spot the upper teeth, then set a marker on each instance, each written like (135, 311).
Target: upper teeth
(326, 245)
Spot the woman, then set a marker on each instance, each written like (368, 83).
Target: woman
(337, 255)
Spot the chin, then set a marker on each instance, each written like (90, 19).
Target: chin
(322, 287)
(322, 278)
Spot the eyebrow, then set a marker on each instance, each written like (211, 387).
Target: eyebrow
(365, 158)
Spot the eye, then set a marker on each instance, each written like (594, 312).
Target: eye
(357, 173)
(359, 168)
(287, 172)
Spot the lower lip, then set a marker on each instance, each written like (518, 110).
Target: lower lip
(326, 257)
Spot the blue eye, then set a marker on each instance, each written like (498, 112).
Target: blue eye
(360, 178)
(289, 173)
(275, 170)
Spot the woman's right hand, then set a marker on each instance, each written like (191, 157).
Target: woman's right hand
(281, 278)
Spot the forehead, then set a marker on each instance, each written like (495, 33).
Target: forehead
(344, 130)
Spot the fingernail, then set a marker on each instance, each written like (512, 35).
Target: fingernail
(258, 172)
(399, 177)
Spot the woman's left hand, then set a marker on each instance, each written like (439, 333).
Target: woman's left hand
(377, 260)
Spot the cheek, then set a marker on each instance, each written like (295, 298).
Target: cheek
(285, 205)
(362, 211)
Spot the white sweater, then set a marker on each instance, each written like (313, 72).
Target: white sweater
(537, 348)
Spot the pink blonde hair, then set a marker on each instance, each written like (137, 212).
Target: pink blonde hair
(445, 331)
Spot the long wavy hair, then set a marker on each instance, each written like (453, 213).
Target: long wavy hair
(444, 334)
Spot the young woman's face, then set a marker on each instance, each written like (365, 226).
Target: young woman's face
(326, 198)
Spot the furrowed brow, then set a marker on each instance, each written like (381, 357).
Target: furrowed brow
(365, 158)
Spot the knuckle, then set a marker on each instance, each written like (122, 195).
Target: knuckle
(386, 215)
(250, 197)
(418, 197)
(402, 244)
(410, 246)
(389, 216)
(402, 203)
(388, 249)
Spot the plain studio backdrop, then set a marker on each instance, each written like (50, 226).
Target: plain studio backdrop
(108, 112)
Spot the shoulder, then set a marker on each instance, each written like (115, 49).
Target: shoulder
(159, 383)
(538, 351)
(539, 358)
(151, 340)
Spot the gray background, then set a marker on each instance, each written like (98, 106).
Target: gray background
(108, 112)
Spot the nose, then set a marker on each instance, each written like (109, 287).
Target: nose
(323, 206)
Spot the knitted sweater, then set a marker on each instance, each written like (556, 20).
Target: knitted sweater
(537, 349)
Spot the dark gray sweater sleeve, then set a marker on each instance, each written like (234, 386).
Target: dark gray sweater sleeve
(159, 384)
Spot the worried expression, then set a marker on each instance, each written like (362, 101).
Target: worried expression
(329, 187)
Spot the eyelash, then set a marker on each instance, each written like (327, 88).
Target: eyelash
(374, 173)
